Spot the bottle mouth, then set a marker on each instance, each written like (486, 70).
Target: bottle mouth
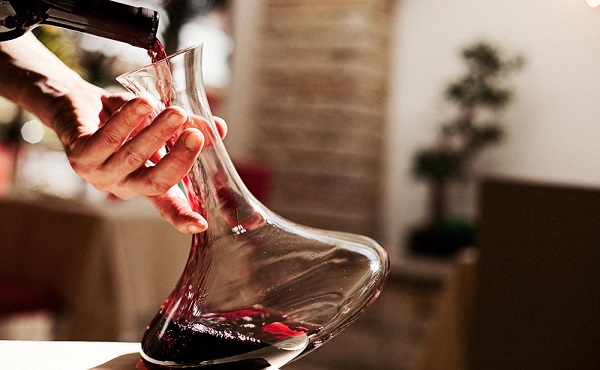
(140, 30)
(154, 21)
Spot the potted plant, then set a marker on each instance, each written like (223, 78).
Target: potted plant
(478, 97)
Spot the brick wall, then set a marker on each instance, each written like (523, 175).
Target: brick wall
(320, 109)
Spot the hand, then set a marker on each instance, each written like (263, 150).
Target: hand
(107, 136)
(110, 143)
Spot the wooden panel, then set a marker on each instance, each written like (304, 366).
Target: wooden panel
(538, 278)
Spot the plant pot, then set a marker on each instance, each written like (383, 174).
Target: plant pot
(442, 239)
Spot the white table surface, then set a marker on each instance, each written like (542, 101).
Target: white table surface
(69, 355)
(66, 355)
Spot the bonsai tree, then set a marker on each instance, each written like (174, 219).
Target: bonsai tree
(478, 97)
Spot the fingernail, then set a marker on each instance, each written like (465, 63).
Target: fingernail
(176, 118)
(195, 229)
(193, 140)
(143, 108)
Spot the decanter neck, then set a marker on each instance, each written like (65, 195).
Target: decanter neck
(216, 191)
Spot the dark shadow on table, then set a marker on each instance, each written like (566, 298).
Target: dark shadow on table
(131, 361)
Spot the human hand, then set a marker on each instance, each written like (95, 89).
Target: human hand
(111, 144)
(107, 137)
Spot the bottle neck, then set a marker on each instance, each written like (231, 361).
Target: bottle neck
(18, 17)
(108, 19)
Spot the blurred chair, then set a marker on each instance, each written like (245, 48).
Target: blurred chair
(41, 240)
(27, 312)
(446, 343)
(537, 287)
(528, 296)
(257, 177)
(110, 264)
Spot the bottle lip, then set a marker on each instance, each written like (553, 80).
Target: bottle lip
(155, 18)
(145, 29)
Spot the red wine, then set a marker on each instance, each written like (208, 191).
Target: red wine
(241, 339)
(157, 51)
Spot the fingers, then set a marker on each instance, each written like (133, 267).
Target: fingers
(221, 126)
(112, 103)
(172, 167)
(174, 208)
(202, 124)
(157, 179)
(124, 156)
(135, 152)
(110, 137)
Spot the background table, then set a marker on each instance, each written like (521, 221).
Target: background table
(111, 264)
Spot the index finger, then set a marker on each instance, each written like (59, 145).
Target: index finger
(111, 136)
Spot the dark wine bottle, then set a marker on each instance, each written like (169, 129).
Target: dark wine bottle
(136, 26)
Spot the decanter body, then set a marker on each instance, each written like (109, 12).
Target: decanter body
(258, 290)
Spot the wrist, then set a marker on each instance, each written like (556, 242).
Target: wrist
(45, 95)
(34, 78)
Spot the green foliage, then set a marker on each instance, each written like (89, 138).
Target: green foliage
(478, 96)
(443, 237)
(481, 86)
(437, 165)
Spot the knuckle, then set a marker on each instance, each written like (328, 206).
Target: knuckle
(103, 187)
(102, 184)
(180, 161)
(112, 138)
(156, 186)
(78, 167)
(133, 159)
(82, 167)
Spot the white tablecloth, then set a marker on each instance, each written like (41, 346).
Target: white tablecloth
(112, 264)
(63, 355)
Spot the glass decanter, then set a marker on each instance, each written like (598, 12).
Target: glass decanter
(257, 290)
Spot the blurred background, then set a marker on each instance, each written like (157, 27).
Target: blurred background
(328, 104)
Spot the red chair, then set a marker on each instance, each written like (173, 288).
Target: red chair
(257, 177)
(26, 312)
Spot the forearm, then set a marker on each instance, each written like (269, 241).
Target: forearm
(33, 77)
(100, 131)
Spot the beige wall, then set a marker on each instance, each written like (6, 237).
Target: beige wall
(553, 126)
